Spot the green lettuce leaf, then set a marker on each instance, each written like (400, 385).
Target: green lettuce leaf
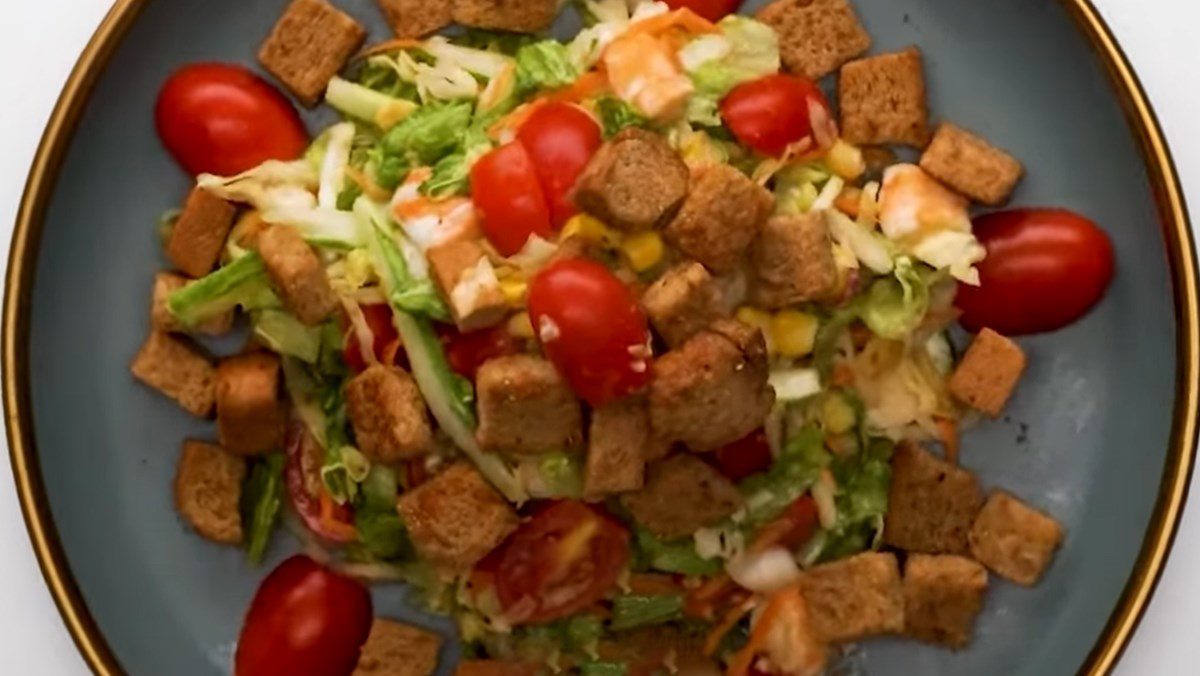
(632, 612)
(746, 50)
(430, 133)
(677, 556)
(262, 497)
(381, 531)
(789, 477)
(617, 115)
(451, 175)
(544, 65)
(894, 306)
(241, 283)
(284, 334)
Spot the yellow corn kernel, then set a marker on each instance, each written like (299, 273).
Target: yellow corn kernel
(751, 316)
(514, 289)
(845, 160)
(837, 416)
(520, 326)
(643, 250)
(590, 229)
(793, 333)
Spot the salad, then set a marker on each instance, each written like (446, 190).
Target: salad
(627, 352)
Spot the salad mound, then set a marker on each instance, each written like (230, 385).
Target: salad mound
(621, 350)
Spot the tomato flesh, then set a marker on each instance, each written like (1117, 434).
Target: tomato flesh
(591, 327)
(509, 197)
(745, 457)
(563, 560)
(223, 119)
(713, 10)
(383, 331)
(302, 478)
(1045, 269)
(305, 619)
(466, 352)
(560, 139)
(771, 113)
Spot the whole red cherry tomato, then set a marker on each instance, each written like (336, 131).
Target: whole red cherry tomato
(1045, 268)
(563, 560)
(306, 491)
(560, 139)
(379, 320)
(223, 119)
(745, 457)
(771, 113)
(466, 352)
(509, 197)
(305, 619)
(713, 10)
(591, 327)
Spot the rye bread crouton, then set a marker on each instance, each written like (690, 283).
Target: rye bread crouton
(882, 100)
(456, 518)
(417, 18)
(792, 262)
(683, 302)
(931, 503)
(634, 182)
(713, 390)
(388, 415)
(855, 598)
(208, 489)
(682, 494)
(308, 46)
(1014, 540)
(971, 165)
(166, 283)
(722, 214)
(199, 233)
(468, 282)
(398, 649)
(815, 36)
(297, 274)
(521, 16)
(526, 408)
(988, 373)
(250, 415)
(617, 438)
(177, 368)
(942, 597)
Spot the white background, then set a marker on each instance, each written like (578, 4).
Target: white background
(39, 42)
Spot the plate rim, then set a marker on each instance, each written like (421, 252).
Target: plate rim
(93, 61)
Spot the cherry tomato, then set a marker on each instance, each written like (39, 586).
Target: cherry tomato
(306, 490)
(1045, 268)
(745, 457)
(713, 10)
(771, 113)
(223, 119)
(560, 139)
(379, 320)
(591, 327)
(563, 560)
(466, 352)
(508, 195)
(305, 619)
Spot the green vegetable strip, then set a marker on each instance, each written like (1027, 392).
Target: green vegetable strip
(631, 612)
(363, 103)
(544, 65)
(286, 335)
(672, 557)
(603, 669)
(262, 498)
(242, 282)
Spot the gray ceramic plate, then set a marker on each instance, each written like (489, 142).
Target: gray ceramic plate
(1100, 434)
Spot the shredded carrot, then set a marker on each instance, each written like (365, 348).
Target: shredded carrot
(591, 85)
(337, 530)
(728, 622)
(948, 435)
(849, 201)
(744, 659)
(393, 45)
(513, 121)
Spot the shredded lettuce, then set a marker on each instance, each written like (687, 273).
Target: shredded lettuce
(617, 115)
(381, 531)
(869, 246)
(241, 283)
(862, 500)
(409, 288)
(428, 134)
(262, 498)
(555, 475)
(678, 556)
(363, 103)
(451, 175)
(746, 50)
(316, 394)
(544, 65)
(894, 306)
(632, 612)
(789, 477)
(796, 187)
(482, 62)
(598, 668)
(284, 334)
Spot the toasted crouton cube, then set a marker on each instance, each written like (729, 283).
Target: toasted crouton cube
(683, 302)
(634, 182)
(522, 16)
(297, 274)
(496, 668)
(199, 233)
(525, 407)
(682, 494)
(208, 488)
(617, 440)
(971, 165)
(398, 649)
(721, 216)
(250, 415)
(388, 414)
(792, 262)
(988, 373)
(1014, 540)
(855, 598)
(883, 100)
(456, 518)
(942, 596)
(166, 283)
(417, 18)
(309, 45)
(175, 367)
(713, 390)
(931, 503)
(468, 282)
(815, 36)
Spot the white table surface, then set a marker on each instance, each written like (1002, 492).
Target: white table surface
(39, 42)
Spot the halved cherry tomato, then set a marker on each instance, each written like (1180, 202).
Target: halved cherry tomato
(1045, 268)
(306, 491)
(591, 327)
(466, 352)
(379, 320)
(713, 10)
(560, 139)
(791, 529)
(223, 119)
(745, 457)
(508, 195)
(563, 560)
(771, 113)
(305, 619)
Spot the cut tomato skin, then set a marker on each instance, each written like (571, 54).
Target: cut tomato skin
(745, 457)
(508, 194)
(713, 10)
(560, 139)
(306, 492)
(466, 352)
(771, 113)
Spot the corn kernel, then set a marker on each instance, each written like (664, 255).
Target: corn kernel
(751, 316)
(837, 416)
(845, 160)
(590, 229)
(520, 326)
(793, 333)
(514, 290)
(644, 250)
